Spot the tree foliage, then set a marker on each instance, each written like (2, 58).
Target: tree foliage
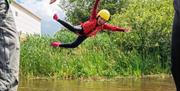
(79, 10)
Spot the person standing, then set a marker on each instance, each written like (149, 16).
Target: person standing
(9, 49)
(175, 47)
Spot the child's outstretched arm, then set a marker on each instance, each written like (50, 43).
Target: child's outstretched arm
(94, 10)
(115, 28)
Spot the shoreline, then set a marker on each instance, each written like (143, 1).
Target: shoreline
(156, 76)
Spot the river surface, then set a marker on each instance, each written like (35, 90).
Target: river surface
(129, 84)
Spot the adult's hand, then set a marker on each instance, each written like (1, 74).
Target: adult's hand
(52, 1)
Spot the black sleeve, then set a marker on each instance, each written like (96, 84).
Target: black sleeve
(177, 6)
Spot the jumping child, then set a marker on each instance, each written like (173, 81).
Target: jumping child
(96, 23)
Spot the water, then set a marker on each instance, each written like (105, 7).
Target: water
(145, 84)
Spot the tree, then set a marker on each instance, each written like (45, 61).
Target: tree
(79, 10)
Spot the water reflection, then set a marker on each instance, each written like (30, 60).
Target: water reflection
(145, 84)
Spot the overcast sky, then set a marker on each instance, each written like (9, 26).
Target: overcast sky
(45, 11)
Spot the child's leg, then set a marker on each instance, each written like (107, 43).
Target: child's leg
(75, 44)
(75, 29)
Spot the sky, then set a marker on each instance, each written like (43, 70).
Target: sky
(45, 11)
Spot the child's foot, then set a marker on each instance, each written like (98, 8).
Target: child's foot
(55, 17)
(55, 44)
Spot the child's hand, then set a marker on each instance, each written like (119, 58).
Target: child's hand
(126, 30)
(55, 17)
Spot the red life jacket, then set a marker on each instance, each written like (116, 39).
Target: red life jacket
(90, 27)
